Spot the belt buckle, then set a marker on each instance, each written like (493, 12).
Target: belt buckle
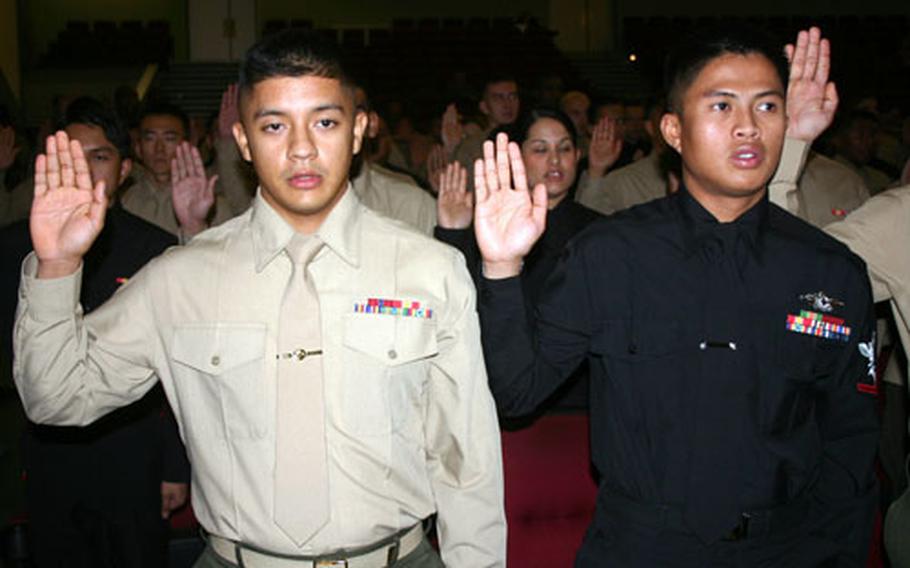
(331, 564)
(741, 530)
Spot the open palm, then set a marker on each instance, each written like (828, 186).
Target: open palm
(811, 98)
(67, 210)
(508, 219)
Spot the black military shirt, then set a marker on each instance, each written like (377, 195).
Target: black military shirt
(564, 221)
(731, 363)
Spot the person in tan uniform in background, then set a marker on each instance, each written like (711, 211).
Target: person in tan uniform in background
(236, 178)
(877, 231)
(500, 104)
(393, 194)
(638, 182)
(856, 140)
(577, 106)
(827, 190)
(172, 179)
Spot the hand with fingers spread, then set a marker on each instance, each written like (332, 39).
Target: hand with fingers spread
(192, 193)
(811, 98)
(455, 204)
(452, 131)
(508, 218)
(436, 166)
(67, 210)
(606, 146)
(8, 148)
(229, 114)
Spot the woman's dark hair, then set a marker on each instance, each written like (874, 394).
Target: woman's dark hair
(518, 132)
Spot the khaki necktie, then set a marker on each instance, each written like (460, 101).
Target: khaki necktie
(301, 477)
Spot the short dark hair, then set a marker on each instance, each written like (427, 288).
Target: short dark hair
(87, 110)
(165, 108)
(705, 44)
(292, 53)
(518, 132)
(496, 76)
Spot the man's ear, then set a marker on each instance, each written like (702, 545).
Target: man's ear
(126, 166)
(671, 129)
(242, 143)
(361, 122)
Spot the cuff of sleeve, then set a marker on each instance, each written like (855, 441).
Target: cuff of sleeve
(501, 291)
(451, 235)
(792, 159)
(50, 299)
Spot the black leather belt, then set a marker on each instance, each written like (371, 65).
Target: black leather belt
(752, 524)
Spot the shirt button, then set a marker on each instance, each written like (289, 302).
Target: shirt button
(216, 360)
(392, 354)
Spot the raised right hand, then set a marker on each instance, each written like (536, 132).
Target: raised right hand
(229, 113)
(455, 204)
(452, 131)
(508, 219)
(67, 212)
(606, 146)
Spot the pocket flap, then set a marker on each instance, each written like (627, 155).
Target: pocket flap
(617, 339)
(394, 340)
(217, 348)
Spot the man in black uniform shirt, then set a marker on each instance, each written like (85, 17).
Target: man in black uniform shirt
(97, 495)
(730, 344)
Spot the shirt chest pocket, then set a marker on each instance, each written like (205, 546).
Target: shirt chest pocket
(219, 369)
(805, 358)
(386, 364)
(622, 340)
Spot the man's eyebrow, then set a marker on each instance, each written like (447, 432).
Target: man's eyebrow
(268, 112)
(720, 93)
(276, 112)
(547, 140)
(732, 95)
(329, 106)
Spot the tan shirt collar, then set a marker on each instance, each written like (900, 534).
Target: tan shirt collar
(340, 231)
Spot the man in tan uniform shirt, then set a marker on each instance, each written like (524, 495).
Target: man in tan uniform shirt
(500, 104)
(638, 182)
(162, 141)
(825, 190)
(410, 425)
(393, 194)
(856, 141)
(879, 232)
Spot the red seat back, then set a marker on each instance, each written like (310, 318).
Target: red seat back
(549, 489)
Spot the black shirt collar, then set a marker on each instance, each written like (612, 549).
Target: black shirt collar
(698, 223)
